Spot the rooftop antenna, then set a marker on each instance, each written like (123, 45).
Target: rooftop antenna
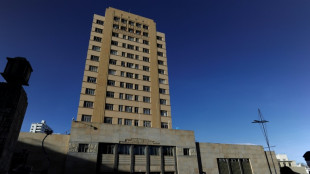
(262, 123)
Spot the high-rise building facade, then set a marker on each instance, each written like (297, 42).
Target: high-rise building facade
(126, 77)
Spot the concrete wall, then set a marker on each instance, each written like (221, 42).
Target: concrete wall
(210, 152)
(55, 145)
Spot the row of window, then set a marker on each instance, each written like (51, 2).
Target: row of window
(135, 76)
(126, 85)
(138, 32)
(128, 97)
(124, 21)
(136, 66)
(129, 109)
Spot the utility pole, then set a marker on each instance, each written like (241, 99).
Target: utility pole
(262, 123)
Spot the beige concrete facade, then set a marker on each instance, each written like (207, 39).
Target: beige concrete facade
(126, 76)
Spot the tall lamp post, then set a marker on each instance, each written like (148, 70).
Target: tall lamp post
(262, 123)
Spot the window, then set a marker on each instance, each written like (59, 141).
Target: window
(116, 18)
(124, 149)
(145, 42)
(90, 91)
(136, 87)
(119, 121)
(129, 97)
(146, 27)
(114, 52)
(138, 25)
(120, 108)
(163, 113)
(160, 62)
(93, 68)
(146, 68)
(122, 73)
(162, 91)
(160, 54)
(108, 149)
(146, 78)
(94, 58)
(128, 108)
(146, 99)
(229, 165)
(114, 34)
(110, 94)
(136, 76)
(121, 95)
(146, 59)
(146, 88)
(130, 46)
(83, 148)
(111, 83)
(91, 79)
(124, 36)
(136, 123)
(100, 22)
(88, 104)
(159, 38)
(163, 101)
(146, 111)
(124, 45)
(121, 84)
(164, 125)
(154, 150)
(136, 66)
(137, 48)
(108, 120)
(145, 50)
(114, 43)
(95, 48)
(136, 98)
(128, 122)
(123, 63)
(115, 26)
(131, 23)
(139, 150)
(130, 65)
(112, 61)
(168, 151)
(130, 30)
(98, 30)
(123, 54)
(159, 45)
(109, 106)
(97, 39)
(138, 32)
(123, 28)
(145, 34)
(124, 21)
(136, 110)
(129, 85)
(162, 81)
(129, 75)
(130, 55)
(137, 39)
(186, 151)
(131, 38)
(86, 118)
(147, 123)
(111, 72)
(137, 57)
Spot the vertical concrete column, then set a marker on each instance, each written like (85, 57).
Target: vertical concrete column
(162, 165)
(116, 158)
(175, 160)
(147, 153)
(132, 161)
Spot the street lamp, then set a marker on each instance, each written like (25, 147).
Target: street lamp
(262, 123)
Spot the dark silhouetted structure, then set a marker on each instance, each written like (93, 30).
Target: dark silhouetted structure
(13, 105)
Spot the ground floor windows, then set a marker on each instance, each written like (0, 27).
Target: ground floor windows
(234, 165)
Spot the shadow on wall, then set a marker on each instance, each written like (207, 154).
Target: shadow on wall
(30, 158)
(287, 170)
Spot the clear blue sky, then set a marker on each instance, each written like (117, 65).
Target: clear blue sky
(226, 59)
